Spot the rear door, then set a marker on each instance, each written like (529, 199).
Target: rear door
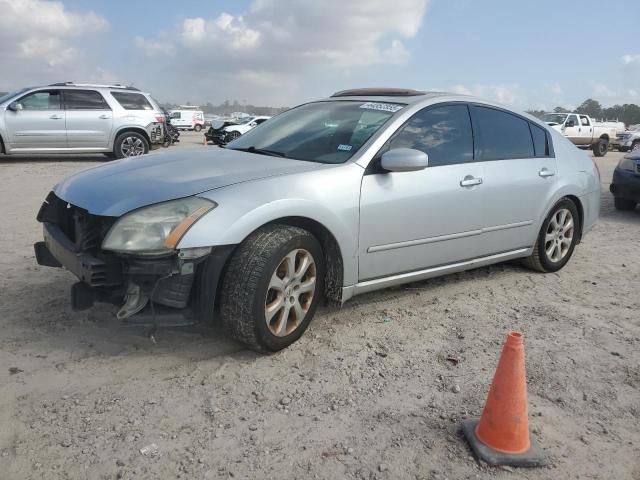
(519, 177)
(89, 119)
(40, 125)
(415, 220)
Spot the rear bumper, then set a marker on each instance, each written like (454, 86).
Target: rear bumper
(625, 184)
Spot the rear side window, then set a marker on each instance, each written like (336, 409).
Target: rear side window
(132, 101)
(444, 133)
(540, 141)
(46, 100)
(501, 135)
(84, 100)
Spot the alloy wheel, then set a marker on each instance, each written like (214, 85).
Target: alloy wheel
(132, 147)
(559, 235)
(290, 292)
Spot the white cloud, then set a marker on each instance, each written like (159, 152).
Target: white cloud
(554, 88)
(39, 41)
(602, 90)
(276, 44)
(630, 59)
(506, 94)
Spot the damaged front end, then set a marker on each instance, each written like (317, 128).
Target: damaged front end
(150, 288)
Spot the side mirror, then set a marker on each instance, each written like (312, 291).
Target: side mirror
(253, 124)
(570, 123)
(404, 160)
(15, 107)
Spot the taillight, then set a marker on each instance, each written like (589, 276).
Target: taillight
(160, 119)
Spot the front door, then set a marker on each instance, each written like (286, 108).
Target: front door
(39, 125)
(574, 131)
(415, 220)
(89, 119)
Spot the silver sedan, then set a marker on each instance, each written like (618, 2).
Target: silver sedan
(353, 193)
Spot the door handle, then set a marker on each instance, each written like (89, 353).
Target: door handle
(55, 117)
(544, 173)
(470, 181)
(104, 117)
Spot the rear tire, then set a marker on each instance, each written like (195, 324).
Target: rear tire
(272, 287)
(130, 144)
(197, 128)
(600, 148)
(557, 238)
(624, 203)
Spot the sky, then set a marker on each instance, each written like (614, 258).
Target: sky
(524, 54)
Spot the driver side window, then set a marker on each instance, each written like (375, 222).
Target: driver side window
(442, 132)
(48, 100)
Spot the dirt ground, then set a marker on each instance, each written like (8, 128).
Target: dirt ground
(367, 392)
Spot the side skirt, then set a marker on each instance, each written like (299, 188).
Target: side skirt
(399, 279)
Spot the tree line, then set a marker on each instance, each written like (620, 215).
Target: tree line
(629, 113)
(228, 107)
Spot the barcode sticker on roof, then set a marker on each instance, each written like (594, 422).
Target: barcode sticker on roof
(385, 107)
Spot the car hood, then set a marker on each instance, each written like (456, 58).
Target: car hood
(124, 185)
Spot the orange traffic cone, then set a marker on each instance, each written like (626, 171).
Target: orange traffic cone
(501, 436)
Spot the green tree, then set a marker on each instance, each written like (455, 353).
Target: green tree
(590, 107)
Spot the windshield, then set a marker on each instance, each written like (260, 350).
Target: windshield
(323, 132)
(554, 118)
(7, 96)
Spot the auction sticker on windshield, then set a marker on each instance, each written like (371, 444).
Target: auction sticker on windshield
(385, 107)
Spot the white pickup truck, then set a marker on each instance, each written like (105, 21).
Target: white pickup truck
(583, 131)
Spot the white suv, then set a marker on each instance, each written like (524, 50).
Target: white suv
(80, 118)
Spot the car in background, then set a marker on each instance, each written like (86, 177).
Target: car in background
(629, 140)
(187, 119)
(80, 118)
(364, 190)
(625, 185)
(242, 126)
(582, 131)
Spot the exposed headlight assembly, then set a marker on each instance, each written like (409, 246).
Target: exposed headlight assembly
(156, 229)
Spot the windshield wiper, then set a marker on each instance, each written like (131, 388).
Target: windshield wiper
(261, 151)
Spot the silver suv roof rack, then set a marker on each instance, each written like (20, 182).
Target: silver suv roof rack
(73, 84)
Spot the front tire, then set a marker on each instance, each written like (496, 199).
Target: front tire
(624, 203)
(130, 144)
(272, 287)
(635, 146)
(600, 148)
(557, 238)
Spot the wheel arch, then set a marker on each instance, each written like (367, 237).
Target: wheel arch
(605, 136)
(2, 148)
(122, 130)
(334, 271)
(578, 203)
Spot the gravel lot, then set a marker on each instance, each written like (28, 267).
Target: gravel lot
(367, 393)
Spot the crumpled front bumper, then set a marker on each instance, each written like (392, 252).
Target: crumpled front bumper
(150, 290)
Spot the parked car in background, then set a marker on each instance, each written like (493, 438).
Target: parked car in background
(217, 133)
(364, 190)
(80, 118)
(242, 126)
(629, 139)
(582, 131)
(625, 184)
(187, 119)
